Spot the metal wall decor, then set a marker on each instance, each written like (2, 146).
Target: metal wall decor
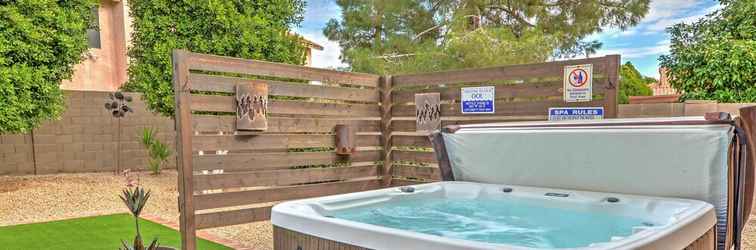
(251, 107)
(345, 139)
(427, 111)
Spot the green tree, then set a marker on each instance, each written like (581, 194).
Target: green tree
(40, 42)
(715, 57)
(632, 83)
(425, 35)
(248, 29)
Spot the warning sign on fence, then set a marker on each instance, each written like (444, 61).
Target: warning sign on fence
(576, 113)
(578, 83)
(478, 100)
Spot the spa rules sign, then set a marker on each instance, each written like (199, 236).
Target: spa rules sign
(578, 83)
(478, 100)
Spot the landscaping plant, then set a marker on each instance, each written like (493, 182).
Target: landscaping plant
(246, 29)
(389, 36)
(135, 199)
(633, 83)
(40, 42)
(714, 58)
(158, 151)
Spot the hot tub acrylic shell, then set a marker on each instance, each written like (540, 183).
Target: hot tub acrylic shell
(677, 222)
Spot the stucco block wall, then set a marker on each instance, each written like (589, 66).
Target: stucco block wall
(690, 108)
(16, 154)
(84, 139)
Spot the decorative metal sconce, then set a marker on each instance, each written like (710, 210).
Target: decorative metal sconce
(345, 139)
(117, 104)
(427, 111)
(251, 107)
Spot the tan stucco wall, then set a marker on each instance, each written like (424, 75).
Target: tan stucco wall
(105, 68)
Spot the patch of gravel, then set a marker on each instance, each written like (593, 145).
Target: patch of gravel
(29, 199)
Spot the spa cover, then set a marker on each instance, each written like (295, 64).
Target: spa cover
(685, 157)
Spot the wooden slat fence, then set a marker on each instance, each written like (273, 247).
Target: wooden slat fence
(523, 93)
(228, 177)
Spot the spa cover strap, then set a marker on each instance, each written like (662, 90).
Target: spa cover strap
(739, 157)
(437, 141)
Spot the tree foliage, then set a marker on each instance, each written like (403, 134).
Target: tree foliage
(385, 36)
(633, 83)
(40, 42)
(715, 57)
(248, 29)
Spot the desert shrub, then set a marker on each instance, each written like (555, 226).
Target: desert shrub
(714, 58)
(245, 28)
(158, 151)
(40, 42)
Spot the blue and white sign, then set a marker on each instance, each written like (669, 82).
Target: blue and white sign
(576, 113)
(478, 100)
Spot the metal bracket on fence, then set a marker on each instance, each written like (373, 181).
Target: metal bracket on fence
(610, 85)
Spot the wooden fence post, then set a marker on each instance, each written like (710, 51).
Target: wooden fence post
(183, 118)
(386, 105)
(612, 104)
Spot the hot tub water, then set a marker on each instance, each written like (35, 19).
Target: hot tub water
(512, 221)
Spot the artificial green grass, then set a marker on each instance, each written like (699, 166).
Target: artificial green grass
(100, 232)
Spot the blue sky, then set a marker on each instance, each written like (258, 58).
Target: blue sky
(641, 44)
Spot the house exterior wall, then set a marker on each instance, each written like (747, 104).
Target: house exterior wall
(104, 68)
(662, 87)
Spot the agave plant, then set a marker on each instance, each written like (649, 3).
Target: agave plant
(135, 199)
(158, 151)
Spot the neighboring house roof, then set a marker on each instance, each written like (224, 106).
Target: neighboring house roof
(308, 43)
(311, 44)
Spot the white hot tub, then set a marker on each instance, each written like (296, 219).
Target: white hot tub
(466, 215)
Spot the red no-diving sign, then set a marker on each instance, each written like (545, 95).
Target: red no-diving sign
(577, 83)
(578, 77)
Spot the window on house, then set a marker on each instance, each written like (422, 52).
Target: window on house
(93, 33)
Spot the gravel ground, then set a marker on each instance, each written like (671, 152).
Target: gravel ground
(28, 199)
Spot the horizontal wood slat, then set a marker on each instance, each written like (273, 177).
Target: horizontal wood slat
(281, 177)
(227, 199)
(273, 141)
(411, 141)
(414, 156)
(269, 161)
(431, 173)
(502, 91)
(502, 108)
(214, 123)
(202, 82)
(215, 103)
(511, 72)
(233, 217)
(197, 61)
(409, 124)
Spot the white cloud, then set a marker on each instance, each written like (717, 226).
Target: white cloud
(329, 56)
(663, 9)
(638, 52)
(670, 14)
